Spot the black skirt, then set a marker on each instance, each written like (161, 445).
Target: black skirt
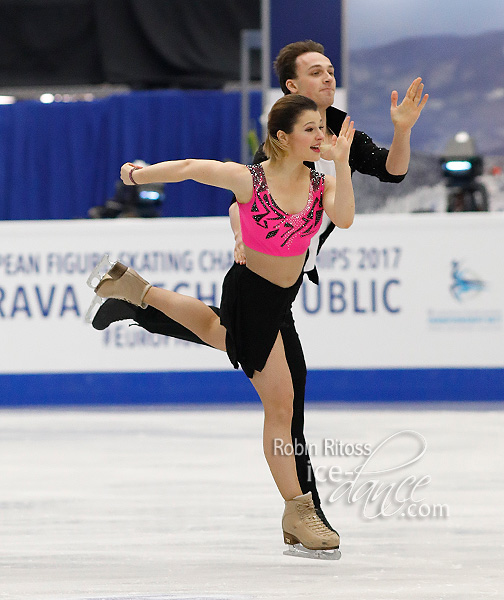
(252, 310)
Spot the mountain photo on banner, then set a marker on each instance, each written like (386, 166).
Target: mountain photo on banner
(464, 77)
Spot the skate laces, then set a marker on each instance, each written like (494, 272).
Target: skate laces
(309, 517)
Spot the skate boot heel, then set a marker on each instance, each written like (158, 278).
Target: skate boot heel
(117, 271)
(290, 539)
(99, 271)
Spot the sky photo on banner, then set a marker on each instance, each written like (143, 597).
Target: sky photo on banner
(372, 23)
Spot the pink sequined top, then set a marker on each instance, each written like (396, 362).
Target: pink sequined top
(268, 229)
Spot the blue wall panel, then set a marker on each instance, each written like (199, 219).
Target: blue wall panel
(124, 389)
(297, 20)
(58, 160)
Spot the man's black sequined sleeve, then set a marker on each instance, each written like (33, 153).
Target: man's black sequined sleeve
(368, 158)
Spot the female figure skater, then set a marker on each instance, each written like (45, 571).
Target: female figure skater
(281, 202)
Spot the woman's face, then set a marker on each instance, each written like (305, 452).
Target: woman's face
(306, 136)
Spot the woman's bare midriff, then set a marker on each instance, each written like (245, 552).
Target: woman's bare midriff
(280, 270)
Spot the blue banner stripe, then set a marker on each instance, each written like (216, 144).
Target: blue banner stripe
(215, 387)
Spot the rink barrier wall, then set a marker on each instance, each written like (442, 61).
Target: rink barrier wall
(233, 388)
(410, 308)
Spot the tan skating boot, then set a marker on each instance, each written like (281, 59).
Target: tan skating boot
(123, 283)
(302, 525)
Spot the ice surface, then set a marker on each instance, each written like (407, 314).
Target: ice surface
(171, 504)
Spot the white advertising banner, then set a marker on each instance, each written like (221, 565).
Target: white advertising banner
(395, 291)
(412, 291)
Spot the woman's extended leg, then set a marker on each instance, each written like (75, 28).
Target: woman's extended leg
(124, 283)
(191, 313)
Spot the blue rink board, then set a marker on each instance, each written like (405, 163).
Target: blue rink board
(116, 389)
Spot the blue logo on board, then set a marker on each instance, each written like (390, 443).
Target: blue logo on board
(465, 284)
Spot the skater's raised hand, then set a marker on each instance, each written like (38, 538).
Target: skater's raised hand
(406, 114)
(339, 148)
(338, 199)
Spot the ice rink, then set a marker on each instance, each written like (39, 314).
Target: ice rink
(179, 503)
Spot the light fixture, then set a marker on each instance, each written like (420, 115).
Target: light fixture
(47, 98)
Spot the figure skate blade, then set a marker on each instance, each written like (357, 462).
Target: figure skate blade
(99, 271)
(93, 309)
(300, 551)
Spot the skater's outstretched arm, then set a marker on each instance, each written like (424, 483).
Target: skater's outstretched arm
(228, 175)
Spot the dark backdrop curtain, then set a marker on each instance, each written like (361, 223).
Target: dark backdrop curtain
(58, 160)
(143, 43)
(49, 42)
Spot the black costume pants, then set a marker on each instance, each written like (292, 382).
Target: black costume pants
(155, 321)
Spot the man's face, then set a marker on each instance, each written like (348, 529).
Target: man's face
(314, 79)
